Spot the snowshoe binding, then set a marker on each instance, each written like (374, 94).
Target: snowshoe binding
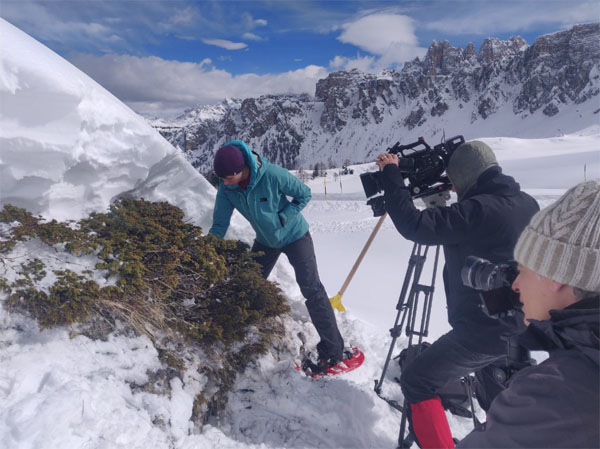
(352, 359)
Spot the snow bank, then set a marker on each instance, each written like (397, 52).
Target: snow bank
(67, 146)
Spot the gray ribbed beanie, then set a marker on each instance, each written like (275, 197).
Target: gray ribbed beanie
(562, 241)
(467, 162)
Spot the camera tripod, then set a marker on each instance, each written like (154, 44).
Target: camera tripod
(410, 307)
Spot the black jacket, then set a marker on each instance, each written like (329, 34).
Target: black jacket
(557, 403)
(485, 223)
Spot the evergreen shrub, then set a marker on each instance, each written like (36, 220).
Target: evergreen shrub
(162, 274)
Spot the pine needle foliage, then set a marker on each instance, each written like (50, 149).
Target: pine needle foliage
(163, 274)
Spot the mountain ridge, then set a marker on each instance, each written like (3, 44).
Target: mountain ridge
(507, 88)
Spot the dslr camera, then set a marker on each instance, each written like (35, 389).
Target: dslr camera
(421, 164)
(494, 283)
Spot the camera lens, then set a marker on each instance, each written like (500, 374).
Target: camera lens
(477, 273)
(494, 284)
(482, 274)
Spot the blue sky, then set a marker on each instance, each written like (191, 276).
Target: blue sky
(163, 56)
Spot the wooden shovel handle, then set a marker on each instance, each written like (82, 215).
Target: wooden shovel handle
(362, 254)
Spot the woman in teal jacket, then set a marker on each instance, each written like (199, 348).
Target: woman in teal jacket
(259, 190)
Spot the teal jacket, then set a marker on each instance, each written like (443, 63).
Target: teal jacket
(276, 220)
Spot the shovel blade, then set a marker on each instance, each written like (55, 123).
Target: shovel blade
(336, 303)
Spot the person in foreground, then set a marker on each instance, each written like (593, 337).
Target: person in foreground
(486, 222)
(557, 403)
(259, 191)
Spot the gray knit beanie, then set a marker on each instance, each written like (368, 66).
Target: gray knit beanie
(562, 241)
(467, 162)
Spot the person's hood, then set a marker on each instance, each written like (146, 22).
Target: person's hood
(577, 326)
(493, 181)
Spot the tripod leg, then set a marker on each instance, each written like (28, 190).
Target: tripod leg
(468, 382)
(422, 331)
(402, 441)
(403, 308)
(408, 311)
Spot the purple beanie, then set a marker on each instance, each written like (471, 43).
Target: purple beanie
(229, 160)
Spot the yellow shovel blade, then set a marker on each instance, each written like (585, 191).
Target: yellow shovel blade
(336, 303)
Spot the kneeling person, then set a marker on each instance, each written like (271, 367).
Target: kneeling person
(557, 403)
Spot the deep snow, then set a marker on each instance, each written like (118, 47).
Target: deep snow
(68, 147)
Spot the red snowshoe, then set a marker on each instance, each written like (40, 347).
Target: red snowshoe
(353, 358)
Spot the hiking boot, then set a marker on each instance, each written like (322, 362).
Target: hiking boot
(328, 362)
(321, 365)
(351, 359)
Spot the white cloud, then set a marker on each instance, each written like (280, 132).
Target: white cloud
(247, 22)
(36, 19)
(227, 45)
(185, 16)
(364, 63)
(251, 37)
(389, 36)
(501, 17)
(93, 26)
(376, 32)
(155, 86)
(399, 52)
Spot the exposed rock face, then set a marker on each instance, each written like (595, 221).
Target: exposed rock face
(557, 68)
(334, 91)
(354, 115)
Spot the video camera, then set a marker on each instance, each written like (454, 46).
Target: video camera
(494, 283)
(421, 164)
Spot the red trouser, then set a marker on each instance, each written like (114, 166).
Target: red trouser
(430, 424)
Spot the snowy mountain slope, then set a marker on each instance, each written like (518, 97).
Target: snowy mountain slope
(58, 392)
(507, 88)
(68, 147)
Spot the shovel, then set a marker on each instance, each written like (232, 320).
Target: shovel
(336, 301)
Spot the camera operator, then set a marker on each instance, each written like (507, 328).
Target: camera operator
(557, 403)
(487, 220)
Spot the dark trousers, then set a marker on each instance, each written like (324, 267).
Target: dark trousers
(447, 359)
(301, 255)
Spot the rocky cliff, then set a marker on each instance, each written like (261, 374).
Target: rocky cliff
(507, 88)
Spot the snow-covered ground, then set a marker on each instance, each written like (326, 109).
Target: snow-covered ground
(72, 152)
